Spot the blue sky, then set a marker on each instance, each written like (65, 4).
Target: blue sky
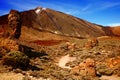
(103, 12)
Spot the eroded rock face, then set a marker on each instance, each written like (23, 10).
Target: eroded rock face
(86, 68)
(14, 22)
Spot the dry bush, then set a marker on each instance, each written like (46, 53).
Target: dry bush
(102, 69)
(91, 43)
(9, 44)
(2, 52)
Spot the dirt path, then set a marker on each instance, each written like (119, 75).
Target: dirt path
(18, 76)
(65, 59)
(110, 77)
(11, 76)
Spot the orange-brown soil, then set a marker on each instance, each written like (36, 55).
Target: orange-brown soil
(47, 42)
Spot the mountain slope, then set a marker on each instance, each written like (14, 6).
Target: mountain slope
(60, 23)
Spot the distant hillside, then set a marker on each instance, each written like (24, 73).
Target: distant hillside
(115, 30)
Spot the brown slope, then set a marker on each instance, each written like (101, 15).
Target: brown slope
(112, 31)
(115, 30)
(73, 26)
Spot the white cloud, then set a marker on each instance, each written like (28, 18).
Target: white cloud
(114, 24)
(63, 7)
(98, 6)
(86, 8)
(73, 9)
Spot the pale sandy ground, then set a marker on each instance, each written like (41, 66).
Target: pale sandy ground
(110, 77)
(65, 59)
(11, 76)
(15, 76)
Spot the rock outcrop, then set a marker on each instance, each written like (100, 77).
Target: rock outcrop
(86, 68)
(70, 46)
(14, 22)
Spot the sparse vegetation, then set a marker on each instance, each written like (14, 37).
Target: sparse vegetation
(7, 45)
(42, 60)
(16, 59)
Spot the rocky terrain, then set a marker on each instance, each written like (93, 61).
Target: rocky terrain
(51, 45)
(63, 61)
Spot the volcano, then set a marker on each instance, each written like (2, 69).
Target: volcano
(40, 23)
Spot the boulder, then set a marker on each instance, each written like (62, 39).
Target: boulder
(70, 46)
(86, 68)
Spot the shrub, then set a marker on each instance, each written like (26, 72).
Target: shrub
(9, 44)
(102, 69)
(16, 59)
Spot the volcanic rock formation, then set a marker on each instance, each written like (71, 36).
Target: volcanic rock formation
(14, 21)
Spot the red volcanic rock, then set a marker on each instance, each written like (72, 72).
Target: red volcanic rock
(86, 68)
(113, 62)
